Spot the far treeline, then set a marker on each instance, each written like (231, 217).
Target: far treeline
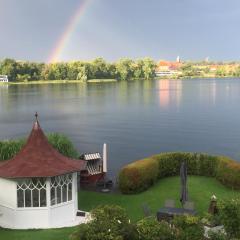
(123, 69)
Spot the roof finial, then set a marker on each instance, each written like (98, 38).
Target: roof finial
(36, 116)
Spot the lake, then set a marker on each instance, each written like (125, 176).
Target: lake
(136, 119)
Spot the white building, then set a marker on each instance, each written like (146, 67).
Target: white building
(3, 78)
(38, 187)
(167, 73)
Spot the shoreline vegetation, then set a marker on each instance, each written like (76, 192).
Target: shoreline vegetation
(125, 69)
(44, 82)
(58, 82)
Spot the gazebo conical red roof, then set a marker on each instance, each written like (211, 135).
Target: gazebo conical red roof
(39, 159)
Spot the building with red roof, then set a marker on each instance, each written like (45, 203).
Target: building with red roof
(39, 186)
(167, 68)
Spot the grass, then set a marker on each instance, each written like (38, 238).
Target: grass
(49, 234)
(200, 191)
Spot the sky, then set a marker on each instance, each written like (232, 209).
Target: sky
(64, 30)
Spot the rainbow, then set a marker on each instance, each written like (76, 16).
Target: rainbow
(69, 30)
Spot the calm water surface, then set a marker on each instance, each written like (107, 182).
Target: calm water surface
(136, 119)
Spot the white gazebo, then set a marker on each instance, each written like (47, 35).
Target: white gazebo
(38, 187)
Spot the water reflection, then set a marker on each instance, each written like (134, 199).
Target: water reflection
(164, 92)
(170, 92)
(208, 91)
(214, 92)
(3, 95)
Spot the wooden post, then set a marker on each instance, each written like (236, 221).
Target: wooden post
(104, 157)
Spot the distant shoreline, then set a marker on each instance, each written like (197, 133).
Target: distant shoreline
(57, 82)
(42, 82)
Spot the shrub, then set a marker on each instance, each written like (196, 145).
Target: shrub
(151, 229)
(189, 228)
(228, 172)
(10, 148)
(109, 222)
(211, 220)
(198, 164)
(138, 176)
(217, 236)
(141, 174)
(229, 211)
(168, 164)
(63, 144)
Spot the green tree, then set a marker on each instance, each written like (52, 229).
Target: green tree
(221, 72)
(100, 69)
(189, 70)
(78, 69)
(48, 72)
(73, 70)
(23, 77)
(111, 69)
(138, 69)
(237, 72)
(9, 67)
(124, 69)
(149, 67)
(60, 71)
(29, 70)
(82, 74)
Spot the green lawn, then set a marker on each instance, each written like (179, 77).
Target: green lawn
(51, 234)
(200, 191)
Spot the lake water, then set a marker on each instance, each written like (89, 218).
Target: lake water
(136, 119)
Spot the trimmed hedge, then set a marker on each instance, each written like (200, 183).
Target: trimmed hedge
(140, 175)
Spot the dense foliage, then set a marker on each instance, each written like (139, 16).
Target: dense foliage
(112, 222)
(140, 175)
(189, 228)
(10, 148)
(124, 69)
(210, 69)
(229, 211)
(109, 222)
(150, 229)
(63, 144)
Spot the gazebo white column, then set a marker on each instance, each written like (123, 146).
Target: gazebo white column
(48, 191)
